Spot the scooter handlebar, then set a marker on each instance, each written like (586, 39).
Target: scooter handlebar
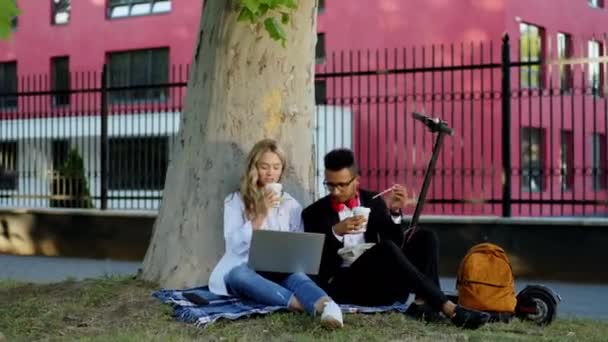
(434, 124)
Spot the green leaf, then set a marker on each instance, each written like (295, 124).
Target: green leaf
(252, 5)
(246, 15)
(284, 18)
(263, 10)
(272, 4)
(8, 11)
(275, 13)
(291, 4)
(5, 30)
(275, 30)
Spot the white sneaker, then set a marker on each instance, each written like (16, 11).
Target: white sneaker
(331, 317)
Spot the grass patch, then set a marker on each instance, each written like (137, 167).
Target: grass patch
(7, 284)
(122, 309)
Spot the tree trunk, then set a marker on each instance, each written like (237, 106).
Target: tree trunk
(243, 87)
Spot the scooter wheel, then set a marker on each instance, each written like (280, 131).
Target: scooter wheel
(536, 304)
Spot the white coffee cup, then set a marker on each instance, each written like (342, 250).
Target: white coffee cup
(277, 188)
(362, 211)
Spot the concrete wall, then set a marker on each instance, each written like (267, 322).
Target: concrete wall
(556, 249)
(76, 233)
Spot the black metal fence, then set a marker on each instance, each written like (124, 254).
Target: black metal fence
(52, 141)
(530, 125)
(531, 131)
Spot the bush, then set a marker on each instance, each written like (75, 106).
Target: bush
(71, 183)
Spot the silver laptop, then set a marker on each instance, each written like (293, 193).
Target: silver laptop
(286, 252)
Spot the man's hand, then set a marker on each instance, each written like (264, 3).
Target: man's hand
(350, 225)
(399, 198)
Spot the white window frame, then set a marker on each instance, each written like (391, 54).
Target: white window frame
(135, 8)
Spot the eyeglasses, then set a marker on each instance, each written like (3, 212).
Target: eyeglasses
(340, 186)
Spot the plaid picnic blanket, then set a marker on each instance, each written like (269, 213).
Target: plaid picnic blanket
(233, 308)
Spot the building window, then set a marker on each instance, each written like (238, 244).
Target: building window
(566, 161)
(8, 85)
(595, 69)
(60, 14)
(130, 8)
(564, 52)
(320, 92)
(8, 165)
(596, 3)
(532, 158)
(60, 73)
(138, 163)
(598, 161)
(320, 6)
(320, 48)
(143, 70)
(531, 50)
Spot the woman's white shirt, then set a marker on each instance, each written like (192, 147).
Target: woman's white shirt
(238, 230)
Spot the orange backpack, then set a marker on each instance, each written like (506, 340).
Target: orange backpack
(485, 280)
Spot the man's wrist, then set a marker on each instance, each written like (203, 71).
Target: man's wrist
(396, 212)
(333, 229)
(396, 215)
(338, 236)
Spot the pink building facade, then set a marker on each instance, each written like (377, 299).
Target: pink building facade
(449, 54)
(97, 28)
(443, 57)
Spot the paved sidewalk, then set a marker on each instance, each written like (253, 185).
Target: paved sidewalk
(53, 269)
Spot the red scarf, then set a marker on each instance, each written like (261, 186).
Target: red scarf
(351, 203)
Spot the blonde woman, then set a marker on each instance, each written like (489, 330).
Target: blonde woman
(253, 207)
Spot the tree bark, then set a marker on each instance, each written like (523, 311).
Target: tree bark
(243, 87)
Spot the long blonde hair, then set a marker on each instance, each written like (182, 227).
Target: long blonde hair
(252, 195)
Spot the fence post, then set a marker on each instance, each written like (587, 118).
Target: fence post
(506, 126)
(104, 140)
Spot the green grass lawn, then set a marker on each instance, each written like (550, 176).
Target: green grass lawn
(122, 309)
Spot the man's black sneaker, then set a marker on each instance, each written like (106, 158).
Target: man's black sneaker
(424, 312)
(469, 319)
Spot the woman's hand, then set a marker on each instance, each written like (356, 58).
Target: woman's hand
(271, 200)
(257, 222)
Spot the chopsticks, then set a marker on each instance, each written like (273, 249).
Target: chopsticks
(382, 193)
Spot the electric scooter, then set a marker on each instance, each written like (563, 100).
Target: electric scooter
(536, 303)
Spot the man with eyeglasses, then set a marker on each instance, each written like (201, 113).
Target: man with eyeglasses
(384, 272)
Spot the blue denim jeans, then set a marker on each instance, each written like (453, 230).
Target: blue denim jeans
(244, 282)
